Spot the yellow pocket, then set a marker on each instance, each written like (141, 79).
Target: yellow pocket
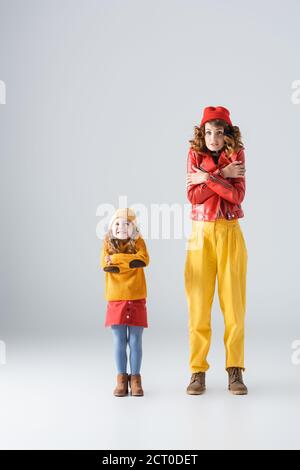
(195, 240)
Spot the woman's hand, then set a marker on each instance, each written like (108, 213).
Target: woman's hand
(234, 170)
(196, 178)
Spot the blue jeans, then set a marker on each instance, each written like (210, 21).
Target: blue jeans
(132, 335)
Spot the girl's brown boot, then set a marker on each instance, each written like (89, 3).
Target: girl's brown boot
(135, 383)
(121, 389)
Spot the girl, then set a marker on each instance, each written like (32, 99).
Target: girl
(124, 254)
(216, 247)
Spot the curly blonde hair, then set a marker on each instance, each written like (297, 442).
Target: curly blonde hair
(113, 245)
(232, 137)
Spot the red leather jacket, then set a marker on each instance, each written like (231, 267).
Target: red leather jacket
(217, 195)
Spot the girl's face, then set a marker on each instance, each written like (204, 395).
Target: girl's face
(122, 228)
(214, 137)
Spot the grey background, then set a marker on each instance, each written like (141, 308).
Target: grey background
(102, 97)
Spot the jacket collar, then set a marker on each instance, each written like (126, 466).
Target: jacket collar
(223, 159)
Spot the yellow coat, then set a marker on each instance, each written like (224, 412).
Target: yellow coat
(129, 283)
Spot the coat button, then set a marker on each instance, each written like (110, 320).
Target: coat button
(127, 316)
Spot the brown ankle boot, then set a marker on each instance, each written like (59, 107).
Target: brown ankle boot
(121, 389)
(235, 381)
(197, 384)
(135, 383)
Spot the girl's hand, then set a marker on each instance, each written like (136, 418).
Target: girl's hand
(108, 259)
(234, 170)
(196, 178)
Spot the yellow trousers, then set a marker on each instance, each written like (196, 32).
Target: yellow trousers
(216, 249)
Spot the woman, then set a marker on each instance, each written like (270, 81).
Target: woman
(216, 248)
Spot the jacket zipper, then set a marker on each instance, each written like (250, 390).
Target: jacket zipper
(226, 185)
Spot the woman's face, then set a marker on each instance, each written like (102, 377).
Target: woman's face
(122, 228)
(214, 137)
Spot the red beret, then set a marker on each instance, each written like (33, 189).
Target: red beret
(219, 112)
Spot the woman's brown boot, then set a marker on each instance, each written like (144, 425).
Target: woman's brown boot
(135, 383)
(235, 381)
(197, 384)
(121, 389)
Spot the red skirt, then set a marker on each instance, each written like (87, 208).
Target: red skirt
(126, 312)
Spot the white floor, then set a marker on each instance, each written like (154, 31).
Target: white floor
(58, 395)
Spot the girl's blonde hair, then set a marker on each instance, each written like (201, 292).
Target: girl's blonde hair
(113, 245)
(232, 137)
